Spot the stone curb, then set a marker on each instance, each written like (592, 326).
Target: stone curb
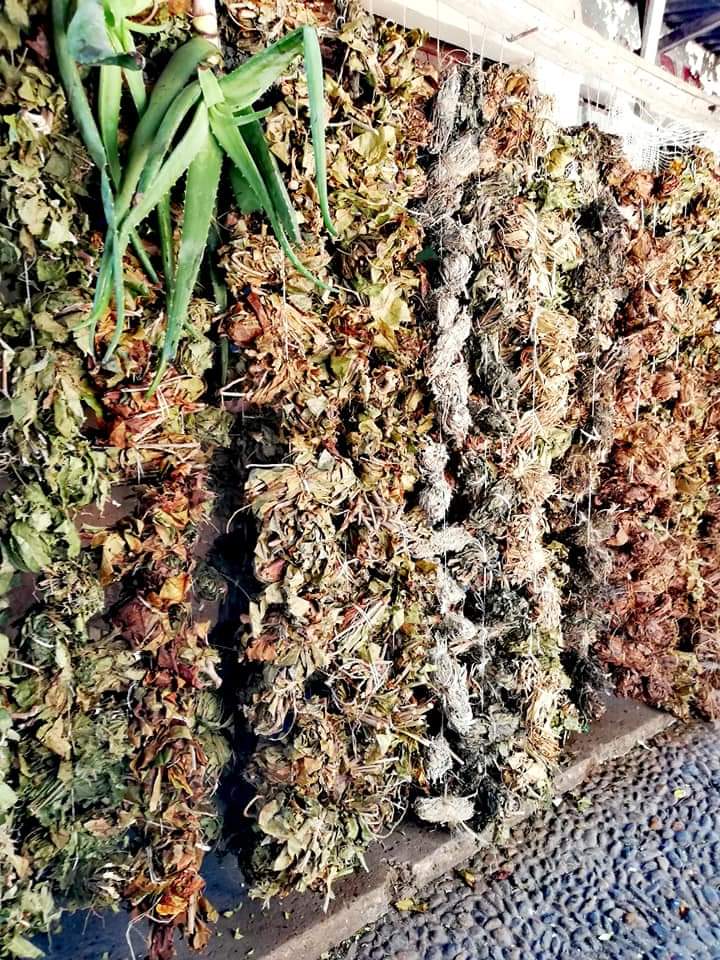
(298, 929)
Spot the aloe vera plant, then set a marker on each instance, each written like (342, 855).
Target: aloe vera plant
(191, 122)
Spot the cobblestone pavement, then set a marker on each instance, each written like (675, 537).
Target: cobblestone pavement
(628, 869)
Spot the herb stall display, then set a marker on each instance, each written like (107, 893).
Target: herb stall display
(467, 365)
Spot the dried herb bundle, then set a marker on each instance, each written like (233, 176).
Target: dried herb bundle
(661, 474)
(176, 726)
(49, 470)
(332, 393)
(112, 739)
(502, 370)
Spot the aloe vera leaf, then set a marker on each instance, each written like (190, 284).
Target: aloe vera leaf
(201, 188)
(171, 170)
(109, 95)
(251, 79)
(166, 132)
(245, 198)
(181, 67)
(212, 94)
(119, 296)
(165, 229)
(89, 37)
(133, 78)
(266, 163)
(103, 284)
(233, 144)
(142, 255)
(103, 291)
(93, 141)
(176, 164)
(280, 201)
(316, 94)
(245, 116)
(200, 194)
(292, 257)
(96, 148)
(106, 272)
(73, 86)
(146, 28)
(220, 292)
(136, 85)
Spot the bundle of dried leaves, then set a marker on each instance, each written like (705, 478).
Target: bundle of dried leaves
(112, 738)
(335, 411)
(660, 478)
(586, 287)
(504, 376)
(49, 470)
(176, 728)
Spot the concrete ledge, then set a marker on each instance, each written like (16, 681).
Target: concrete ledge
(297, 929)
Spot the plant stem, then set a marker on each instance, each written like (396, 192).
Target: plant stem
(204, 19)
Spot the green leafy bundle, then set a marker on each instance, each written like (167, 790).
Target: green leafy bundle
(48, 470)
(190, 122)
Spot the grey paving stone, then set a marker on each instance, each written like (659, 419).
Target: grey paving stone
(636, 874)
